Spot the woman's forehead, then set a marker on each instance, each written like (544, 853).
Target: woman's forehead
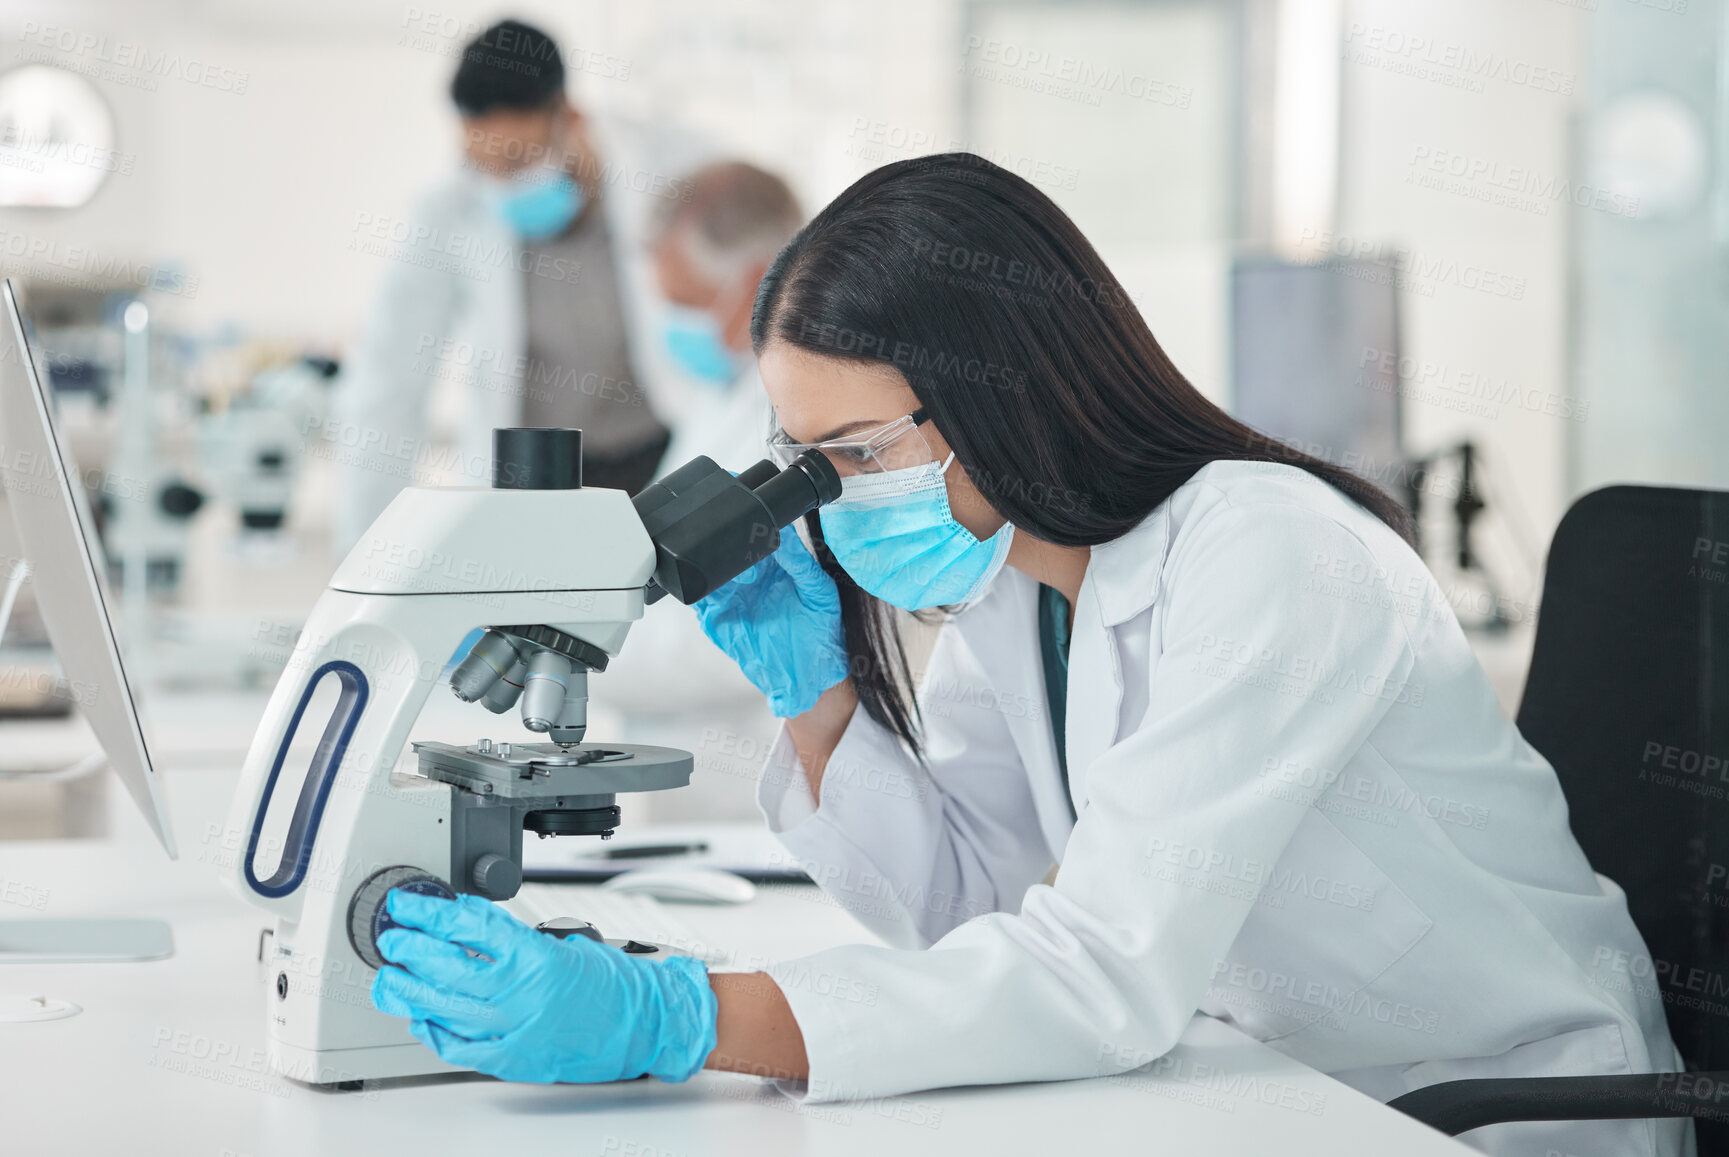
(814, 396)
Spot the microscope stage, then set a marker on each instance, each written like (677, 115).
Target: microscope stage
(539, 770)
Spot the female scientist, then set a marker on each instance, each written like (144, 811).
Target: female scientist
(1204, 674)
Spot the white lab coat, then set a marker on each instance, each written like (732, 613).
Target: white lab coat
(452, 309)
(670, 684)
(1301, 808)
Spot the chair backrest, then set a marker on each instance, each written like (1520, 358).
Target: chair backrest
(1628, 697)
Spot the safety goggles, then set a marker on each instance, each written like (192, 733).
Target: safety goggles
(895, 446)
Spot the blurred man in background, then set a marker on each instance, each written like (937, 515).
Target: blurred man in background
(671, 685)
(710, 253)
(524, 282)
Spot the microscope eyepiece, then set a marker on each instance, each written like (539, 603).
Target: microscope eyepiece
(808, 483)
(709, 526)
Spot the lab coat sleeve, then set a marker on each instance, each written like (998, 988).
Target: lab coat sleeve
(914, 851)
(382, 397)
(1102, 971)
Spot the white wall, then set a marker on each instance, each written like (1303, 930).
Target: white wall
(344, 112)
(1457, 96)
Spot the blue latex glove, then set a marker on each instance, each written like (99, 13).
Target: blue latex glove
(780, 622)
(532, 1007)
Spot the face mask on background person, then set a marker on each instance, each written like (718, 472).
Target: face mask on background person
(538, 204)
(894, 534)
(693, 339)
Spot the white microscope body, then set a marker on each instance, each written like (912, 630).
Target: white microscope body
(561, 574)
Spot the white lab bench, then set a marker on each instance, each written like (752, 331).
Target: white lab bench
(167, 1056)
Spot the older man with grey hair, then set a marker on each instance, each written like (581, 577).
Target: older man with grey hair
(670, 685)
(710, 253)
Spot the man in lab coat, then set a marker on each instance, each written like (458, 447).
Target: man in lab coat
(670, 683)
(518, 293)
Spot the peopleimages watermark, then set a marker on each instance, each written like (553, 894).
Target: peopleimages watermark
(123, 62)
(1671, 765)
(1012, 276)
(1682, 984)
(34, 152)
(1670, 7)
(1446, 62)
(39, 474)
(470, 255)
(1414, 593)
(1417, 270)
(1066, 77)
(1246, 878)
(46, 259)
(241, 1066)
(399, 455)
(1313, 1001)
(1509, 186)
(585, 168)
(914, 360)
(1306, 676)
(1332, 790)
(1456, 387)
(877, 142)
(447, 35)
(514, 372)
(22, 895)
(1118, 1061)
(1710, 560)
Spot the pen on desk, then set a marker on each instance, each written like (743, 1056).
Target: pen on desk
(647, 851)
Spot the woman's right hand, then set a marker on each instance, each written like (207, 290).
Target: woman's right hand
(780, 622)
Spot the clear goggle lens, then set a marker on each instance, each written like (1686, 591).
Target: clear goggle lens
(897, 446)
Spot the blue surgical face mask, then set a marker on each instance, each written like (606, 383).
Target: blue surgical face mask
(540, 205)
(693, 338)
(894, 534)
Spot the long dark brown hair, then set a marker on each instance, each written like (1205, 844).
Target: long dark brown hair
(1029, 357)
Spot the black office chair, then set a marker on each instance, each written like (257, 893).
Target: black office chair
(1630, 675)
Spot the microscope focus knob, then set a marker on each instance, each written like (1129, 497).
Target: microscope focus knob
(496, 877)
(367, 917)
(564, 927)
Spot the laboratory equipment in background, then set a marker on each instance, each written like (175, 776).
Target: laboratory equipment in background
(147, 504)
(1316, 365)
(554, 573)
(32, 685)
(1468, 502)
(77, 338)
(52, 517)
(155, 528)
(192, 451)
(118, 381)
(253, 446)
(1315, 357)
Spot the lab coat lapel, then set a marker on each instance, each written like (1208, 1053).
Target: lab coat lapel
(1122, 581)
(1095, 691)
(1008, 641)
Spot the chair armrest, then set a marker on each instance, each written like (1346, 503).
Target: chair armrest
(1456, 1107)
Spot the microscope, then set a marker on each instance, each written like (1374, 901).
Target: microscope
(553, 573)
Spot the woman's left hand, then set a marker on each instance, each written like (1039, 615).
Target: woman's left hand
(487, 992)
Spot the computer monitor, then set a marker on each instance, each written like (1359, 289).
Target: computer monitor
(1315, 357)
(51, 512)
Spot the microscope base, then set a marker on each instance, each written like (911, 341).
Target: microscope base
(325, 1067)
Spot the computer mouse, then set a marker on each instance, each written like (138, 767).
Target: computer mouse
(685, 885)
